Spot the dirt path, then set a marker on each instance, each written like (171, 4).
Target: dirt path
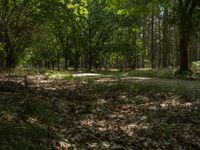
(168, 83)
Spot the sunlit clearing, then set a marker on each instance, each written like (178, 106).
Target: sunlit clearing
(86, 75)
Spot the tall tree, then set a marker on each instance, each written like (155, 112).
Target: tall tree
(186, 10)
(17, 20)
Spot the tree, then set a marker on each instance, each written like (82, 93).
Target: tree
(17, 21)
(186, 10)
(99, 25)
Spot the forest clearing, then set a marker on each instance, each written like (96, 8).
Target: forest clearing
(99, 74)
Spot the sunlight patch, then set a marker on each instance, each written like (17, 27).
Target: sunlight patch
(86, 75)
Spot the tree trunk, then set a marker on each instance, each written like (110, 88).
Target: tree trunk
(66, 63)
(48, 64)
(165, 39)
(198, 52)
(176, 44)
(90, 63)
(184, 63)
(10, 56)
(76, 62)
(53, 64)
(58, 61)
(153, 65)
(185, 28)
(10, 61)
(1, 61)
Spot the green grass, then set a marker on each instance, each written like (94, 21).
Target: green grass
(169, 73)
(157, 73)
(48, 74)
(58, 74)
(164, 73)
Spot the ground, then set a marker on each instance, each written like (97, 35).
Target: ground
(164, 83)
(98, 112)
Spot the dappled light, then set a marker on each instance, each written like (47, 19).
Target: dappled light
(86, 75)
(83, 113)
(99, 75)
(175, 103)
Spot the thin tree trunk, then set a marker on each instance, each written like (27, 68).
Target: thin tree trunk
(1, 61)
(152, 43)
(90, 63)
(10, 56)
(53, 64)
(165, 39)
(66, 63)
(10, 61)
(58, 61)
(76, 62)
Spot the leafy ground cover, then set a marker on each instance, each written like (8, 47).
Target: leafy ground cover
(86, 114)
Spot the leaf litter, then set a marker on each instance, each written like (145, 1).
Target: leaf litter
(88, 115)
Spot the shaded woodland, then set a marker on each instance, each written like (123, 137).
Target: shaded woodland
(96, 34)
(99, 74)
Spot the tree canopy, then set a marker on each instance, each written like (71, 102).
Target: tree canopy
(99, 33)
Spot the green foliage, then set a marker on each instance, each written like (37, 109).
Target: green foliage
(85, 33)
(16, 34)
(25, 60)
(183, 74)
(2, 48)
(159, 73)
(196, 66)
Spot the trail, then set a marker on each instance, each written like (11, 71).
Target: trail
(168, 83)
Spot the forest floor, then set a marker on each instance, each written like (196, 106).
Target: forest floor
(163, 83)
(94, 112)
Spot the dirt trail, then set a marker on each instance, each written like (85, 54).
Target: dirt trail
(168, 83)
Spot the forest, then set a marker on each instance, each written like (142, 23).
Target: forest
(99, 74)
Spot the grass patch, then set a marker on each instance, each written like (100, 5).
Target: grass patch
(58, 75)
(48, 74)
(168, 73)
(156, 73)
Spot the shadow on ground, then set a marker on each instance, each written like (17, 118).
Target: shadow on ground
(90, 115)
